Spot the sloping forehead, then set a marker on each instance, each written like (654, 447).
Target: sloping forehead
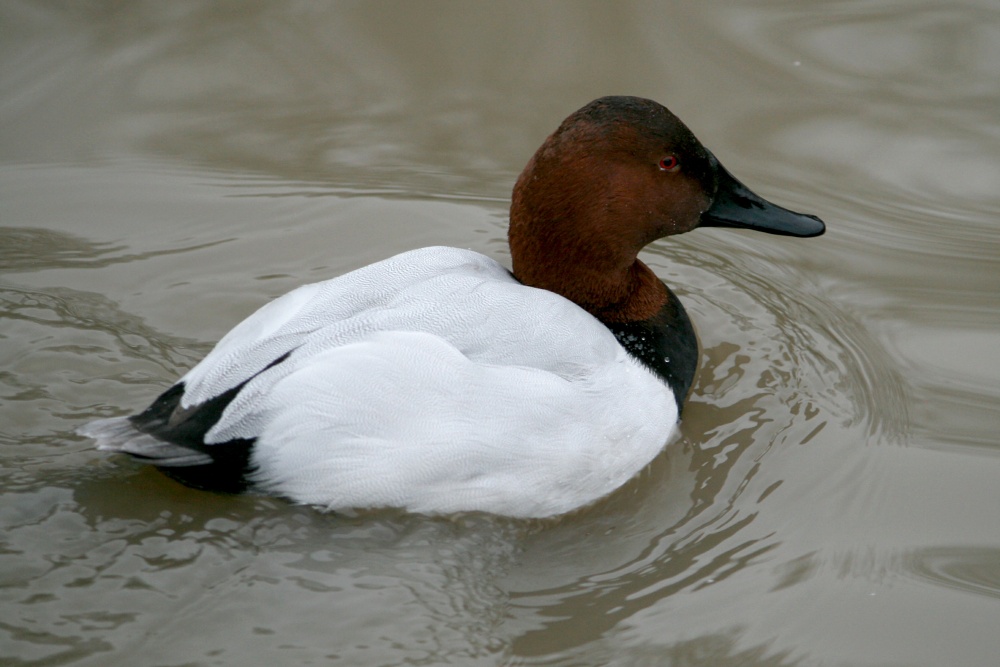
(628, 122)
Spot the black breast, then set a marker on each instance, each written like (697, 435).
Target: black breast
(666, 344)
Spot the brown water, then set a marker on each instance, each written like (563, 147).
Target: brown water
(167, 167)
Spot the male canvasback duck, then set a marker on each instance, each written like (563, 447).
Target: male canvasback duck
(437, 381)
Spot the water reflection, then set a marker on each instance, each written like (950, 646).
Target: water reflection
(968, 568)
(24, 249)
(280, 577)
(76, 351)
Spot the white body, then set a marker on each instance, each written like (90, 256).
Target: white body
(434, 382)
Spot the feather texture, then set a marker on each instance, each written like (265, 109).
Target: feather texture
(431, 381)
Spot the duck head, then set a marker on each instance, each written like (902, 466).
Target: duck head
(616, 175)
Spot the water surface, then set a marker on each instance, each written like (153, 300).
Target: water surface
(166, 168)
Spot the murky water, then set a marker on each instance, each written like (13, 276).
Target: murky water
(166, 168)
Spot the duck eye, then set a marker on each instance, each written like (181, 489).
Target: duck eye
(669, 163)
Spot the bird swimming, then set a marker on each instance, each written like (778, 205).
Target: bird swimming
(438, 381)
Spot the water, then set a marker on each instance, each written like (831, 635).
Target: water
(166, 168)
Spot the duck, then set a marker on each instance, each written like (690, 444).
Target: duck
(440, 382)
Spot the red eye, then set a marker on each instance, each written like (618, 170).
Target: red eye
(669, 163)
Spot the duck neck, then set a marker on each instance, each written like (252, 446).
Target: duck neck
(567, 256)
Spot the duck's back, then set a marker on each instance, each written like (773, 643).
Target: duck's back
(431, 381)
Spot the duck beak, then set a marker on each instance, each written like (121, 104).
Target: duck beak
(736, 205)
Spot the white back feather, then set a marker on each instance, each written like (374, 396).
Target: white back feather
(434, 381)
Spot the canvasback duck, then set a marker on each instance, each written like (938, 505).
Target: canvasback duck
(437, 381)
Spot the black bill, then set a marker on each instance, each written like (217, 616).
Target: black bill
(736, 205)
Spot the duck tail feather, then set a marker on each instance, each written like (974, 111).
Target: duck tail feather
(118, 434)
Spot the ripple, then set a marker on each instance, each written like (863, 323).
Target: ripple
(966, 568)
(143, 567)
(783, 372)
